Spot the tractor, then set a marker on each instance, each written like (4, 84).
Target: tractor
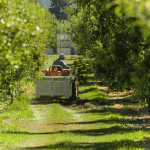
(57, 82)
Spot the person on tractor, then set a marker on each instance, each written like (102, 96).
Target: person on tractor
(60, 61)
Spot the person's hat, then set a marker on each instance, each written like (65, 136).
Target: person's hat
(61, 55)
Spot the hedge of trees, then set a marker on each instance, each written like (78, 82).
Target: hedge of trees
(58, 8)
(26, 29)
(115, 35)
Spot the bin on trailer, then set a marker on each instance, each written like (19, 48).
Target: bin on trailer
(54, 86)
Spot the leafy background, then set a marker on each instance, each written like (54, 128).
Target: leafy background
(113, 35)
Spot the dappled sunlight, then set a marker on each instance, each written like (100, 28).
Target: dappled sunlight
(98, 120)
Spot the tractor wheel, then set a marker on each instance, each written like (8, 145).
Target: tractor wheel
(74, 92)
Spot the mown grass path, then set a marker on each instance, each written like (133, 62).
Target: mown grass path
(83, 126)
(57, 127)
(49, 121)
(104, 122)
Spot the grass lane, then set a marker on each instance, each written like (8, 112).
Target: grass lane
(91, 127)
(96, 130)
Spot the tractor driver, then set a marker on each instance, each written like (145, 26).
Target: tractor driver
(60, 61)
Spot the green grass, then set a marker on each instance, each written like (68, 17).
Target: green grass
(8, 141)
(96, 130)
(114, 142)
(54, 113)
(19, 110)
(58, 128)
(92, 93)
(8, 138)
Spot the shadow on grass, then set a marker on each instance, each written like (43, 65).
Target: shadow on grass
(90, 132)
(45, 100)
(127, 111)
(122, 100)
(88, 90)
(127, 144)
(94, 95)
(103, 83)
(93, 82)
(106, 121)
(124, 112)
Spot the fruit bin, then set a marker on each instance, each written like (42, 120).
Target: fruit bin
(54, 86)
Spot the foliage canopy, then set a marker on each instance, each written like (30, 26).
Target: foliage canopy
(24, 30)
(115, 36)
